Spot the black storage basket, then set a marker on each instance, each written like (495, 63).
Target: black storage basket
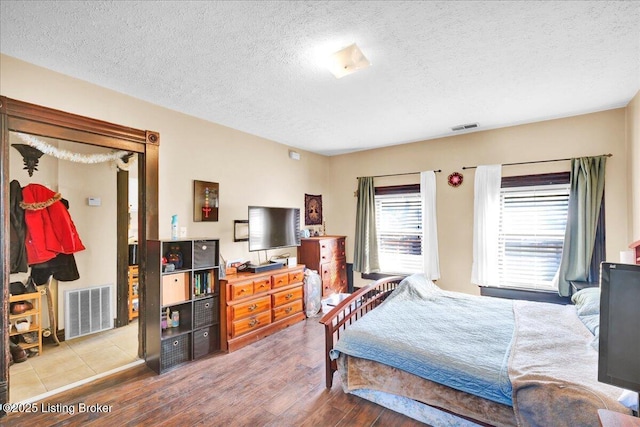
(175, 351)
(205, 253)
(205, 341)
(205, 312)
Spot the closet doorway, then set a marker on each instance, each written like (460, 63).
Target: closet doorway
(100, 209)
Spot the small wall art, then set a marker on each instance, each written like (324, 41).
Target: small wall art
(205, 201)
(312, 209)
(455, 179)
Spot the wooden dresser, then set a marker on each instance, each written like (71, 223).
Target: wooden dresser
(260, 304)
(326, 255)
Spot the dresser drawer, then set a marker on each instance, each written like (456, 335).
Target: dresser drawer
(285, 297)
(332, 249)
(240, 290)
(296, 277)
(250, 324)
(278, 280)
(341, 248)
(175, 288)
(257, 305)
(261, 285)
(287, 310)
(326, 250)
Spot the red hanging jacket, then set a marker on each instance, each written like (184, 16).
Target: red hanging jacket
(50, 230)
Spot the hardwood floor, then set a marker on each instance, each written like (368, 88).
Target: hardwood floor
(276, 382)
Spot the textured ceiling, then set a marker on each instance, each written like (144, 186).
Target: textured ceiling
(256, 66)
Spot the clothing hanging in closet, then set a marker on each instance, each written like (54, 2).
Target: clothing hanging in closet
(17, 230)
(49, 228)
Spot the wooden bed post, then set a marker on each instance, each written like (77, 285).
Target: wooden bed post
(350, 310)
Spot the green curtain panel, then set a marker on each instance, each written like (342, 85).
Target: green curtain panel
(365, 257)
(585, 198)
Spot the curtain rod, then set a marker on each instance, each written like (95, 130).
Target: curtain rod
(528, 163)
(398, 174)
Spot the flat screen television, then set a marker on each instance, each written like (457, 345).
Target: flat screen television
(272, 227)
(619, 346)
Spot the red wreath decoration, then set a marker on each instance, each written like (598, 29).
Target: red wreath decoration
(455, 179)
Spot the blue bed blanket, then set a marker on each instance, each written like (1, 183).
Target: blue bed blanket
(458, 340)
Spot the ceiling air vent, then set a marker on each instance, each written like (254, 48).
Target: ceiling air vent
(464, 127)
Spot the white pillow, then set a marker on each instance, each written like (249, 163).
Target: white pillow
(587, 301)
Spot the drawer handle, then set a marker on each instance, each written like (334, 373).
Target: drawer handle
(206, 305)
(175, 343)
(242, 291)
(288, 310)
(204, 247)
(206, 334)
(288, 296)
(253, 322)
(252, 307)
(175, 280)
(262, 286)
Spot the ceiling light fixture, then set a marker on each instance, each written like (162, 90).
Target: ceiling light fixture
(347, 61)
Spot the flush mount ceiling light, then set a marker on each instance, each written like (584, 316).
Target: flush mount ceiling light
(347, 61)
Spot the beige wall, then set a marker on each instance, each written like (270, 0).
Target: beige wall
(633, 160)
(250, 170)
(586, 135)
(253, 170)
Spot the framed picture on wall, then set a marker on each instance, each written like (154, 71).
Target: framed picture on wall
(205, 201)
(312, 209)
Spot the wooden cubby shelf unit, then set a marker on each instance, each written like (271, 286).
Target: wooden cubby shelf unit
(183, 281)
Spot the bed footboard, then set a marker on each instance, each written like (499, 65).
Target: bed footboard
(349, 311)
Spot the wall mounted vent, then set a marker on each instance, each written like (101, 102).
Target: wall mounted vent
(465, 127)
(87, 311)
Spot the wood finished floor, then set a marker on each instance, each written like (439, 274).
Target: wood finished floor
(278, 381)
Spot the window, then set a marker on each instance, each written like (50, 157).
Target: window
(533, 218)
(399, 229)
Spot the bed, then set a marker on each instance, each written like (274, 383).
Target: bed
(447, 358)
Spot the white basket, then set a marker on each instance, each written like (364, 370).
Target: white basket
(22, 325)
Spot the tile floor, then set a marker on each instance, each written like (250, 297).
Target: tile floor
(73, 361)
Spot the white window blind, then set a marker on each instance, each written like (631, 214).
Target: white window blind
(531, 236)
(399, 227)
